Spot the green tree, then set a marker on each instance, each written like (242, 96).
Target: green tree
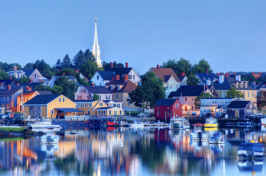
(89, 56)
(202, 67)
(89, 69)
(192, 80)
(233, 93)
(43, 68)
(83, 82)
(115, 65)
(96, 97)
(24, 80)
(151, 90)
(69, 87)
(250, 78)
(29, 66)
(3, 75)
(5, 66)
(79, 60)
(58, 64)
(197, 100)
(182, 65)
(66, 62)
(55, 90)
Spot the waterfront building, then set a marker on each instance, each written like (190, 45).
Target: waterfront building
(241, 109)
(170, 80)
(87, 93)
(8, 98)
(51, 106)
(165, 109)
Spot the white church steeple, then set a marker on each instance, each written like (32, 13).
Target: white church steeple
(96, 48)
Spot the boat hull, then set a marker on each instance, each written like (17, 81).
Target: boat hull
(210, 125)
(43, 126)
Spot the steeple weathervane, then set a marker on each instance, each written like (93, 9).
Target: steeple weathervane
(96, 48)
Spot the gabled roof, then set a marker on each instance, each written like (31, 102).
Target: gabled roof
(28, 94)
(106, 75)
(45, 92)
(230, 82)
(126, 87)
(238, 104)
(6, 82)
(165, 102)
(164, 74)
(181, 78)
(33, 85)
(98, 89)
(115, 82)
(120, 71)
(187, 91)
(42, 99)
(204, 77)
(28, 72)
(8, 92)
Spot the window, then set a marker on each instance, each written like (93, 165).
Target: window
(158, 108)
(176, 105)
(7, 98)
(168, 113)
(97, 76)
(116, 96)
(88, 97)
(191, 107)
(99, 113)
(103, 112)
(168, 107)
(118, 87)
(4, 98)
(133, 76)
(59, 99)
(158, 113)
(248, 93)
(112, 87)
(81, 105)
(192, 98)
(101, 104)
(85, 105)
(89, 105)
(128, 103)
(99, 97)
(129, 76)
(185, 99)
(171, 86)
(252, 94)
(63, 99)
(35, 75)
(250, 105)
(52, 111)
(110, 112)
(89, 112)
(120, 112)
(114, 105)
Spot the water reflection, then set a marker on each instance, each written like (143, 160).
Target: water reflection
(130, 152)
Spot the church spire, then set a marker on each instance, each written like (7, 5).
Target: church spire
(96, 48)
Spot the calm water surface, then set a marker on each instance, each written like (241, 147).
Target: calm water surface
(129, 152)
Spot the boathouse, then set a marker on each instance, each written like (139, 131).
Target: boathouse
(241, 109)
(165, 109)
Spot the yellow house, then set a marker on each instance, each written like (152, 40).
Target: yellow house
(97, 108)
(50, 106)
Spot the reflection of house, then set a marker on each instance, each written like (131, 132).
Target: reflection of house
(165, 109)
(50, 106)
(170, 80)
(8, 98)
(87, 93)
(215, 106)
(241, 109)
(97, 108)
(234, 81)
(186, 96)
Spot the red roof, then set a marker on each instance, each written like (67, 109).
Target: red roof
(165, 74)
(126, 87)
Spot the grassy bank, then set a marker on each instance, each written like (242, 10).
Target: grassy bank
(11, 129)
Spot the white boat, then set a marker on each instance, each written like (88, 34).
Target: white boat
(216, 138)
(179, 123)
(50, 138)
(43, 123)
(197, 134)
(263, 121)
(211, 123)
(136, 124)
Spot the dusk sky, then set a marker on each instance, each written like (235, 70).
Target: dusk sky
(230, 34)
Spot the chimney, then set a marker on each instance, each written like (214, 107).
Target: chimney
(183, 74)
(15, 68)
(157, 67)
(17, 84)
(125, 78)
(207, 71)
(111, 64)
(29, 88)
(236, 84)
(10, 77)
(86, 79)
(238, 78)
(221, 79)
(226, 75)
(126, 65)
(113, 78)
(246, 84)
(8, 87)
(117, 77)
(77, 71)
(234, 73)
(1, 84)
(30, 81)
(93, 84)
(253, 74)
(63, 73)
(260, 73)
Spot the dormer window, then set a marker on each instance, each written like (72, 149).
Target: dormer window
(112, 87)
(118, 87)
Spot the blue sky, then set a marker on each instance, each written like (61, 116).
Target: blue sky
(229, 34)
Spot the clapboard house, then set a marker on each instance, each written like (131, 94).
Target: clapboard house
(241, 109)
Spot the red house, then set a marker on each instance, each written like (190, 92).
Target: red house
(165, 109)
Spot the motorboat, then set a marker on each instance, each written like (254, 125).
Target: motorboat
(136, 124)
(43, 123)
(179, 123)
(197, 134)
(50, 138)
(109, 123)
(211, 123)
(250, 150)
(216, 138)
(123, 124)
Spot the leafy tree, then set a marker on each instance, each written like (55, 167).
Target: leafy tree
(66, 62)
(43, 68)
(89, 56)
(96, 97)
(5, 66)
(197, 102)
(69, 87)
(89, 69)
(83, 82)
(3, 75)
(24, 80)
(151, 90)
(182, 65)
(58, 64)
(192, 80)
(233, 93)
(29, 66)
(79, 60)
(116, 65)
(202, 67)
(55, 90)
(69, 72)
(250, 78)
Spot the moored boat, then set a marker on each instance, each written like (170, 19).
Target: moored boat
(211, 123)
(216, 138)
(136, 124)
(43, 123)
(250, 150)
(179, 123)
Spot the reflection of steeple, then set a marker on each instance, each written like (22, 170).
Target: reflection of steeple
(96, 48)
